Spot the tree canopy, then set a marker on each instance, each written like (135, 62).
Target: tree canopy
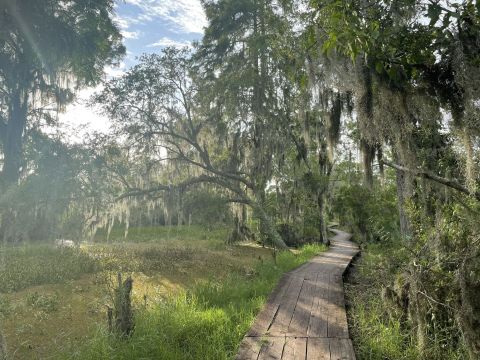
(48, 50)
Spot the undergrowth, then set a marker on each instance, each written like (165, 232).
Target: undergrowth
(376, 325)
(43, 263)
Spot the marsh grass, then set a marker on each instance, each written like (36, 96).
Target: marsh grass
(187, 234)
(33, 264)
(37, 264)
(201, 294)
(206, 322)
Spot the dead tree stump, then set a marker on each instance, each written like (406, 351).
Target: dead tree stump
(120, 319)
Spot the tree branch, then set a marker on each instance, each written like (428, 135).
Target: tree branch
(206, 165)
(427, 175)
(182, 185)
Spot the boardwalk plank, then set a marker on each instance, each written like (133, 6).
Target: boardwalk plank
(249, 349)
(318, 322)
(272, 348)
(301, 315)
(318, 349)
(265, 317)
(341, 349)
(281, 322)
(295, 348)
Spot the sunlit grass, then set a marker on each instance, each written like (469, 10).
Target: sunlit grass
(57, 298)
(206, 322)
(194, 234)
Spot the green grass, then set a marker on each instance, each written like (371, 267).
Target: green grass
(202, 294)
(205, 322)
(187, 234)
(376, 327)
(25, 266)
(38, 264)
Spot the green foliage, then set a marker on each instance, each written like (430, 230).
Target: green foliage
(379, 328)
(55, 200)
(206, 207)
(290, 235)
(372, 215)
(48, 50)
(447, 255)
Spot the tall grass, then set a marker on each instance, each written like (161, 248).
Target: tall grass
(38, 264)
(207, 322)
(25, 266)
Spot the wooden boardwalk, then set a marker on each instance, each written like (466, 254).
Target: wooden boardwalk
(305, 318)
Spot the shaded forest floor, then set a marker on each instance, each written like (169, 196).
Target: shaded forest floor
(52, 300)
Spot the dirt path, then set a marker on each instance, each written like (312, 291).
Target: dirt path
(305, 316)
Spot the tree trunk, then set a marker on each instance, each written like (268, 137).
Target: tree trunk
(321, 199)
(401, 191)
(12, 149)
(123, 314)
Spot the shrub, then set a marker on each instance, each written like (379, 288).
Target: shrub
(44, 302)
(290, 235)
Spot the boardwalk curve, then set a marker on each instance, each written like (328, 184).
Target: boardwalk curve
(305, 317)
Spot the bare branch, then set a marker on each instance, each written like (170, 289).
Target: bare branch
(427, 175)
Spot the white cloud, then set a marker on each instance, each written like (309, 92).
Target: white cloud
(170, 42)
(123, 22)
(131, 34)
(187, 15)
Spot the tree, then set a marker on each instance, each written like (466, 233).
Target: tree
(68, 189)
(240, 61)
(48, 50)
(154, 106)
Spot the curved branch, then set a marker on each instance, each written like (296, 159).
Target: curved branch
(427, 175)
(185, 184)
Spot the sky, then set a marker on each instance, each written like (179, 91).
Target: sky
(147, 26)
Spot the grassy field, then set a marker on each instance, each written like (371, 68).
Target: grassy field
(194, 296)
(376, 326)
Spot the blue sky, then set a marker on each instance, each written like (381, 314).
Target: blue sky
(147, 27)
